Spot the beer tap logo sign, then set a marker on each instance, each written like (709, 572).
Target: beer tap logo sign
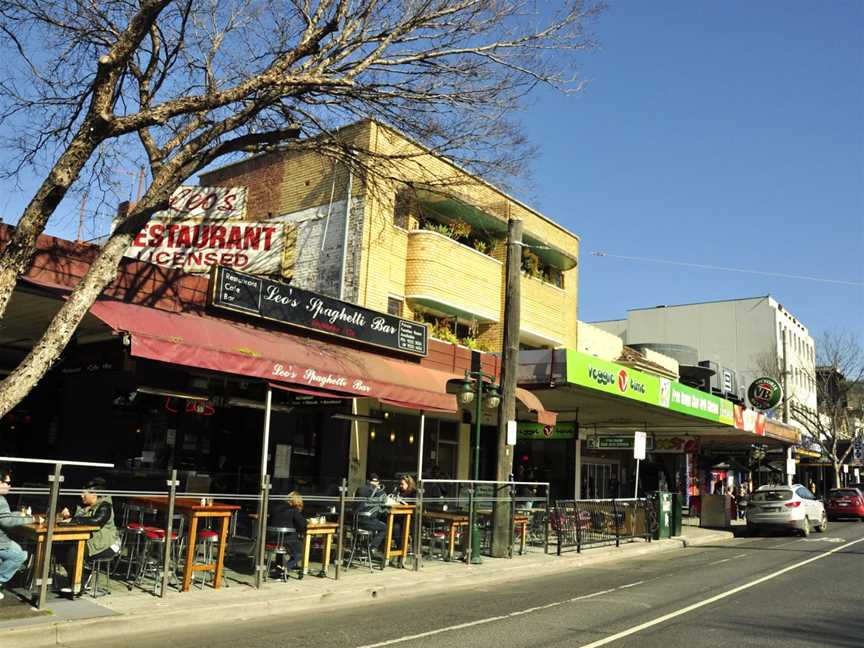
(765, 393)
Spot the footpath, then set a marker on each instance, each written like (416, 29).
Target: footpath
(137, 612)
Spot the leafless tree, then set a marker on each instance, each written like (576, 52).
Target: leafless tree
(839, 382)
(178, 84)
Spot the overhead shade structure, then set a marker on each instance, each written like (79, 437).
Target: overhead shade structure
(206, 342)
(530, 401)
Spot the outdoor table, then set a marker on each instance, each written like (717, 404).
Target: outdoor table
(454, 522)
(195, 511)
(519, 521)
(328, 530)
(401, 552)
(37, 533)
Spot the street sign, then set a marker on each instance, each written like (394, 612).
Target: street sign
(790, 466)
(639, 442)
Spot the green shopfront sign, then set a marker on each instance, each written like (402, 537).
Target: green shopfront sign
(693, 402)
(624, 382)
(537, 431)
(616, 443)
(612, 378)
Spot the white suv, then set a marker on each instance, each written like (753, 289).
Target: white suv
(786, 507)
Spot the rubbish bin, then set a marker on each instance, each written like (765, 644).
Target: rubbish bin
(677, 505)
(663, 501)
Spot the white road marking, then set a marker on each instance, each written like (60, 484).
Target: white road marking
(632, 584)
(469, 624)
(714, 599)
(717, 562)
(823, 540)
(740, 555)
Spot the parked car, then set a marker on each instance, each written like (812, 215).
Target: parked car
(845, 502)
(786, 507)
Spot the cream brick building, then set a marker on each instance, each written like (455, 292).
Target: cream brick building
(391, 245)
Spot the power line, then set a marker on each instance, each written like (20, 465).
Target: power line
(704, 266)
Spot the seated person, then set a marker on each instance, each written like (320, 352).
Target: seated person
(12, 556)
(406, 490)
(288, 513)
(372, 509)
(97, 510)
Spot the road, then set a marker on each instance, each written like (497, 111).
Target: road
(783, 590)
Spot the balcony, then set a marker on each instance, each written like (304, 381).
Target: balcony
(447, 277)
(545, 313)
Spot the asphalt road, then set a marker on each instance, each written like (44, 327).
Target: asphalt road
(774, 591)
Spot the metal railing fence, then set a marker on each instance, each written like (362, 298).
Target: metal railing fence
(585, 523)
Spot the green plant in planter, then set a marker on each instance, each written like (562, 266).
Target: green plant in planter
(531, 263)
(461, 230)
(443, 332)
(480, 245)
(438, 228)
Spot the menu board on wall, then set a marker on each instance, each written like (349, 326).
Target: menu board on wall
(280, 302)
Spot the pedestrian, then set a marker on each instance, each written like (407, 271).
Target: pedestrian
(12, 556)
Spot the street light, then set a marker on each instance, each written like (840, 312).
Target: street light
(476, 390)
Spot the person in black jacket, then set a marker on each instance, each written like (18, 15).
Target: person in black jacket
(288, 513)
(371, 509)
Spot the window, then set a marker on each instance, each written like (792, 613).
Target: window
(402, 205)
(394, 306)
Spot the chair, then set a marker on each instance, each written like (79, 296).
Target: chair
(278, 548)
(133, 534)
(360, 537)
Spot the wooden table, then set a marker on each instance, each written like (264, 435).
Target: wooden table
(401, 552)
(36, 533)
(521, 522)
(328, 530)
(194, 511)
(454, 522)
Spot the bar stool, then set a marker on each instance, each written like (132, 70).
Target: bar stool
(96, 567)
(134, 532)
(278, 548)
(153, 554)
(360, 539)
(207, 546)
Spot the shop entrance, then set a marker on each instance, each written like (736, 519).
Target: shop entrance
(600, 480)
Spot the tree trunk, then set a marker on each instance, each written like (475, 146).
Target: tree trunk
(836, 475)
(16, 256)
(44, 354)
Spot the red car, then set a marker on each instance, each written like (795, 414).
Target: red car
(845, 502)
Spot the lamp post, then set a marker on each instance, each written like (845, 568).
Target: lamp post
(476, 390)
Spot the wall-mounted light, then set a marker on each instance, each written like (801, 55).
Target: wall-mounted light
(392, 437)
(372, 435)
(411, 438)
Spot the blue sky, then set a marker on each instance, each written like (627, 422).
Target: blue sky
(728, 134)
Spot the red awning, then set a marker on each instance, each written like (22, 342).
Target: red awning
(199, 340)
(533, 405)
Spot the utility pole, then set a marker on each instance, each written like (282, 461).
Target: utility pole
(501, 534)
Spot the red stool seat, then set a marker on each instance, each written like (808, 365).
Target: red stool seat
(158, 534)
(207, 534)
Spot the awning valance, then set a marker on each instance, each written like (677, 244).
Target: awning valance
(199, 340)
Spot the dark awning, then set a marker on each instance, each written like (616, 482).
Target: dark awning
(199, 340)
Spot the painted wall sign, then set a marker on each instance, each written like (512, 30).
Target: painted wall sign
(210, 203)
(196, 247)
(537, 431)
(765, 393)
(273, 300)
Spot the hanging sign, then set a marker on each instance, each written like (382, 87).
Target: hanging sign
(280, 302)
(765, 393)
(639, 442)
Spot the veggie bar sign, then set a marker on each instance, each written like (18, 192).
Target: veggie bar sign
(273, 300)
